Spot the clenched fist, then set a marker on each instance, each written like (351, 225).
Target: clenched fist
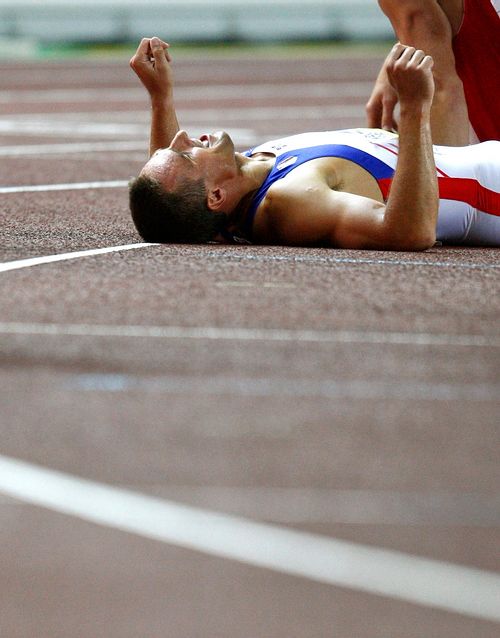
(152, 64)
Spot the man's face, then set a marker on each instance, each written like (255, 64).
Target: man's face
(210, 157)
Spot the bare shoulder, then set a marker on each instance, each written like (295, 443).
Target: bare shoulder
(284, 217)
(309, 211)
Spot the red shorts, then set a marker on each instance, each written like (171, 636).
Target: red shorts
(477, 57)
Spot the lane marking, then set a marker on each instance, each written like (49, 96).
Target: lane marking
(80, 123)
(253, 284)
(77, 147)
(42, 188)
(37, 261)
(47, 125)
(431, 583)
(318, 259)
(289, 505)
(88, 124)
(243, 255)
(241, 137)
(219, 385)
(250, 334)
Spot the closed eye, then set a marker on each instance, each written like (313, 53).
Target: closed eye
(190, 157)
(186, 155)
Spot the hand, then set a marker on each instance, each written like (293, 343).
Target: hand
(152, 64)
(409, 71)
(380, 108)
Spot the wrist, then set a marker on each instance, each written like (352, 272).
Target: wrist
(162, 101)
(415, 111)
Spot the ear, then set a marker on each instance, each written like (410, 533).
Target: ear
(216, 198)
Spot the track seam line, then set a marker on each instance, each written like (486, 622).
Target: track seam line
(314, 259)
(250, 334)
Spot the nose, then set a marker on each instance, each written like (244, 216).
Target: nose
(180, 140)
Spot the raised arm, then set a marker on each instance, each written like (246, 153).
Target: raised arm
(152, 64)
(413, 204)
(424, 25)
(313, 212)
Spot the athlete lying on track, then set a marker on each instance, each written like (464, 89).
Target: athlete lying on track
(361, 189)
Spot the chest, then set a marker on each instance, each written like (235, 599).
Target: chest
(310, 179)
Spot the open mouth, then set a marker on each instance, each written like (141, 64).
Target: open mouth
(206, 140)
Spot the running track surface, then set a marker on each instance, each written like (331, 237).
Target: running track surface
(324, 395)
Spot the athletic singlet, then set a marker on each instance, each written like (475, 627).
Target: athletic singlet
(477, 60)
(468, 177)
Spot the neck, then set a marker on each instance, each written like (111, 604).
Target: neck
(254, 170)
(253, 174)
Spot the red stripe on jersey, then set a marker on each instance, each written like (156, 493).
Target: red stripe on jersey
(459, 189)
(385, 186)
(470, 191)
(395, 151)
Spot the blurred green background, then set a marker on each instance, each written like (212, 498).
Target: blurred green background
(55, 28)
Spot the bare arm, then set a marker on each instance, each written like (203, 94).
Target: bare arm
(414, 198)
(424, 25)
(313, 213)
(152, 64)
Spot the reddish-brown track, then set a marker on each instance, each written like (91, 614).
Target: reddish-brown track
(385, 434)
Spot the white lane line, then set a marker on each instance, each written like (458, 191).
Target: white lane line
(42, 188)
(383, 572)
(81, 122)
(77, 147)
(44, 124)
(289, 505)
(242, 137)
(292, 506)
(243, 255)
(219, 385)
(250, 334)
(37, 261)
(120, 123)
(253, 284)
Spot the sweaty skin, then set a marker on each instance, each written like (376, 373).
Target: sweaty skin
(343, 207)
